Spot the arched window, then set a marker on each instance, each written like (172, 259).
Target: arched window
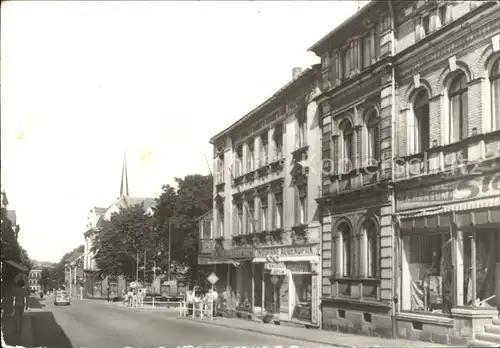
(421, 129)
(372, 247)
(347, 152)
(458, 108)
(372, 143)
(495, 95)
(346, 234)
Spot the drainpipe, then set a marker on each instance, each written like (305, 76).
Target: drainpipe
(395, 249)
(320, 265)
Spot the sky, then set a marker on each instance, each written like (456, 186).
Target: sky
(82, 82)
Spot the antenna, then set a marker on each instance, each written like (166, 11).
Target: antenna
(209, 168)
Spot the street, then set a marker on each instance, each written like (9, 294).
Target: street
(97, 324)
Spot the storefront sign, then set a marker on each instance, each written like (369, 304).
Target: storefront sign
(278, 271)
(234, 253)
(269, 266)
(477, 187)
(310, 250)
(299, 267)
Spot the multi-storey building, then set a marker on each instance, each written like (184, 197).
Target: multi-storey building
(265, 220)
(448, 171)
(74, 276)
(409, 115)
(34, 278)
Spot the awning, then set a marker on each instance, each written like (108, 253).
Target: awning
(209, 261)
(16, 265)
(288, 259)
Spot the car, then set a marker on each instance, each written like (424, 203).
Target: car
(61, 297)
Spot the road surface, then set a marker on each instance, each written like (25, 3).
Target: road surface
(96, 324)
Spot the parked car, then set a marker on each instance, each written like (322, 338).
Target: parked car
(62, 297)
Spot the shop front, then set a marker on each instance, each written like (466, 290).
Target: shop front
(286, 283)
(450, 259)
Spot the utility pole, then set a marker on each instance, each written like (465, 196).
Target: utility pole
(137, 268)
(144, 266)
(169, 246)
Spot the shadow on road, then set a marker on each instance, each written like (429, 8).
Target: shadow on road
(47, 332)
(34, 302)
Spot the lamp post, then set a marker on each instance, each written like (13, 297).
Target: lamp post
(169, 245)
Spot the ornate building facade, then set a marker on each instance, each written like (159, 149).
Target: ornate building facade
(265, 239)
(410, 197)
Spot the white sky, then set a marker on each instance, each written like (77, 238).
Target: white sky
(81, 81)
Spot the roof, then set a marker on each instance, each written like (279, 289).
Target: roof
(317, 47)
(100, 210)
(274, 97)
(148, 202)
(11, 215)
(209, 213)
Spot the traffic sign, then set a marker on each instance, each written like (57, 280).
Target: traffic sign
(212, 278)
(274, 279)
(133, 285)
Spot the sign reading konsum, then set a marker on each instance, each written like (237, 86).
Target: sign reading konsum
(234, 253)
(289, 250)
(480, 186)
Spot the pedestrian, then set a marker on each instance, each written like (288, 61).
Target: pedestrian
(190, 299)
(129, 298)
(108, 294)
(20, 304)
(139, 298)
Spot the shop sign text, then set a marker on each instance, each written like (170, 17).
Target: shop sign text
(234, 253)
(299, 267)
(276, 265)
(309, 250)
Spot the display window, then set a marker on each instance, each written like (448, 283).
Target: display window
(303, 296)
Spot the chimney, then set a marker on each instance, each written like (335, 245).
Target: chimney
(296, 72)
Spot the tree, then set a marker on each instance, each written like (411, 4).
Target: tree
(177, 212)
(45, 281)
(58, 272)
(122, 239)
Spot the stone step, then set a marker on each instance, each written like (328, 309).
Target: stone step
(493, 329)
(479, 343)
(493, 338)
(496, 321)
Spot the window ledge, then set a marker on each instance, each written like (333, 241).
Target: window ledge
(427, 318)
(357, 302)
(475, 313)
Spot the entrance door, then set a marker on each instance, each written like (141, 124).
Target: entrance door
(276, 296)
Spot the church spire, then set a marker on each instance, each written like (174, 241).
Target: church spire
(124, 182)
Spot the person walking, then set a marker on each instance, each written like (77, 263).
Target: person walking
(129, 298)
(20, 304)
(108, 290)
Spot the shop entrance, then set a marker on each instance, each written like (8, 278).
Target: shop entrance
(276, 295)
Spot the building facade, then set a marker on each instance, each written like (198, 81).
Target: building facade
(410, 199)
(448, 171)
(265, 237)
(34, 279)
(74, 276)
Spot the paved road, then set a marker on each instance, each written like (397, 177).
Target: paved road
(95, 324)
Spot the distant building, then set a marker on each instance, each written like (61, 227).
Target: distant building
(34, 279)
(94, 285)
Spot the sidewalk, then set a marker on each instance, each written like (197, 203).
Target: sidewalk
(10, 338)
(312, 335)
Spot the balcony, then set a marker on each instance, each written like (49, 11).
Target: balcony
(466, 157)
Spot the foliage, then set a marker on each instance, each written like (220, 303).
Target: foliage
(177, 213)
(57, 273)
(25, 259)
(45, 279)
(122, 239)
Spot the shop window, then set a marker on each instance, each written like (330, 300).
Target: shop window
(481, 292)
(372, 127)
(495, 95)
(421, 128)
(427, 273)
(458, 108)
(303, 296)
(259, 276)
(345, 235)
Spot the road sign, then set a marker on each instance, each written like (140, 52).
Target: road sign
(212, 278)
(133, 285)
(274, 279)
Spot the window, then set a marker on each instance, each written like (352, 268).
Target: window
(427, 272)
(346, 254)
(421, 122)
(347, 153)
(367, 51)
(458, 108)
(238, 170)
(278, 213)
(346, 62)
(301, 205)
(250, 217)
(220, 168)
(239, 219)
(372, 245)
(426, 20)
(250, 158)
(373, 137)
(442, 14)
(302, 129)
(263, 149)
(263, 213)
(220, 213)
(278, 142)
(495, 95)
(207, 229)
